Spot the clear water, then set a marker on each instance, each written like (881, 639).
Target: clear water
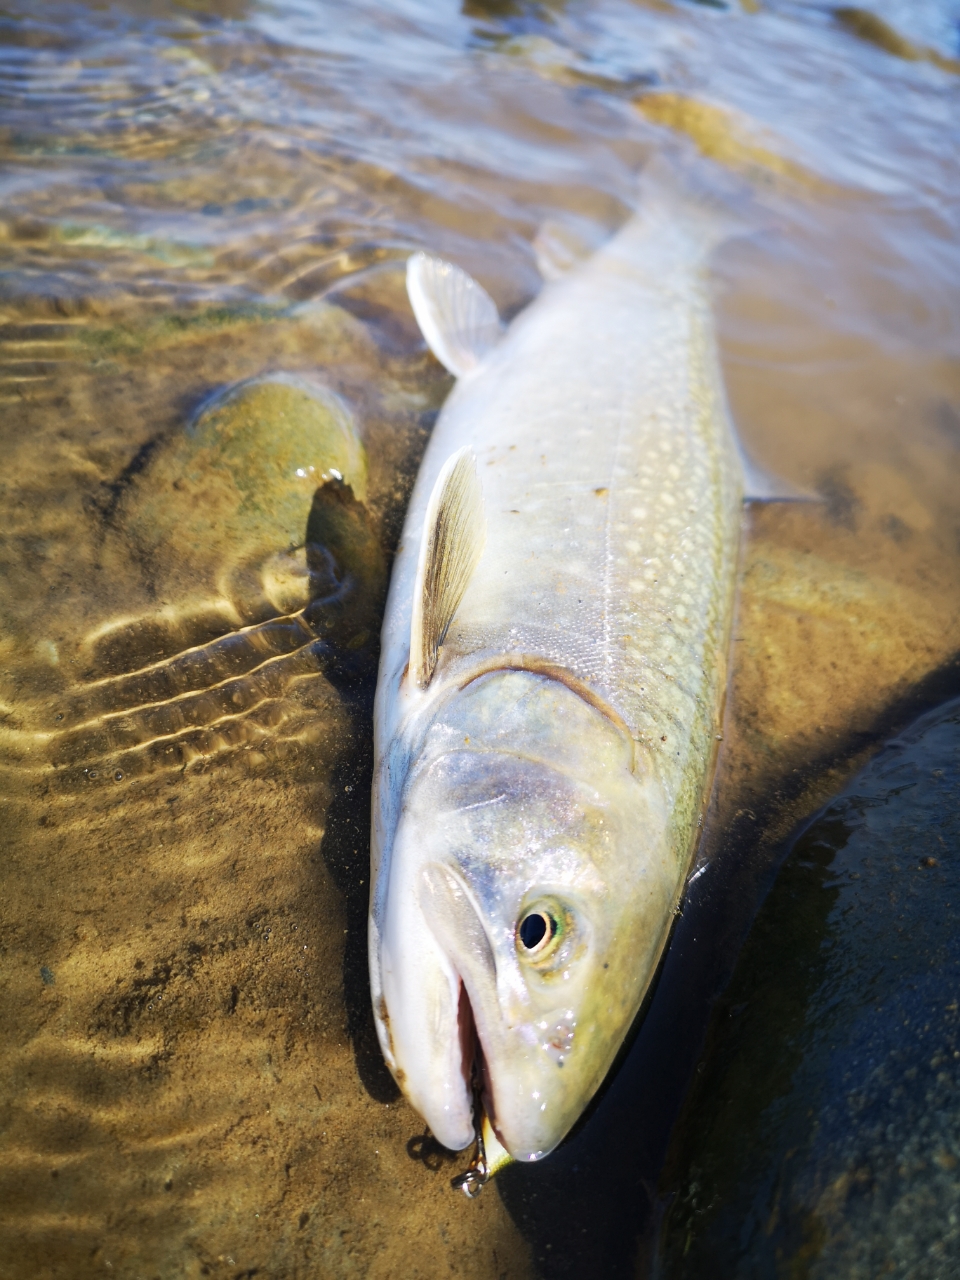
(194, 194)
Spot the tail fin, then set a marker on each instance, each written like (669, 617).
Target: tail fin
(680, 188)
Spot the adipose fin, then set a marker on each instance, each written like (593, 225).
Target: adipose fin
(457, 316)
(454, 533)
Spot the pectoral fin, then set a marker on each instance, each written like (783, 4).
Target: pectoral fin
(457, 316)
(454, 533)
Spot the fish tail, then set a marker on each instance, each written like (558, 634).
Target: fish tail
(694, 195)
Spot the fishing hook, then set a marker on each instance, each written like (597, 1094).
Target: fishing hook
(477, 1174)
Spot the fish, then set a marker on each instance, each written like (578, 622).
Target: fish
(553, 668)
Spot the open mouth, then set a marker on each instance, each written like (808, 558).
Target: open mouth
(474, 1065)
(456, 924)
(473, 1060)
(470, 1051)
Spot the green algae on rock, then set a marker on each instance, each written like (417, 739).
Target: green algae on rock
(235, 488)
(248, 465)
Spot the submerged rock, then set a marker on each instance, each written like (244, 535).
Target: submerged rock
(872, 28)
(232, 494)
(731, 138)
(250, 520)
(824, 1137)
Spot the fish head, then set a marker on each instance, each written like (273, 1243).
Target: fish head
(528, 901)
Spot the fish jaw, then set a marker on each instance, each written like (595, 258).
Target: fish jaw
(425, 1042)
(486, 838)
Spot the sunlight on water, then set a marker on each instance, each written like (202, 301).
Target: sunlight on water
(197, 194)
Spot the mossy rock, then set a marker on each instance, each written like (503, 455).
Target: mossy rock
(235, 489)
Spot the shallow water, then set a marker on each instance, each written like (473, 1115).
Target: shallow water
(195, 194)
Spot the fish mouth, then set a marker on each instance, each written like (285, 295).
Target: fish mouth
(456, 924)
(428, 1019)
(504, 1069)
(471, 1049)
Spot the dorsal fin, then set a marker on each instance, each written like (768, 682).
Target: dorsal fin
(454, 533)
(457, 316)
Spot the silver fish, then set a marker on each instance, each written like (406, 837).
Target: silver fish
(553, 672)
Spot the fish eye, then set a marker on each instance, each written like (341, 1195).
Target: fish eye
(536, 931)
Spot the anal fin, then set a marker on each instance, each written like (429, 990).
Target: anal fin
(454, 534)
(457, 316)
